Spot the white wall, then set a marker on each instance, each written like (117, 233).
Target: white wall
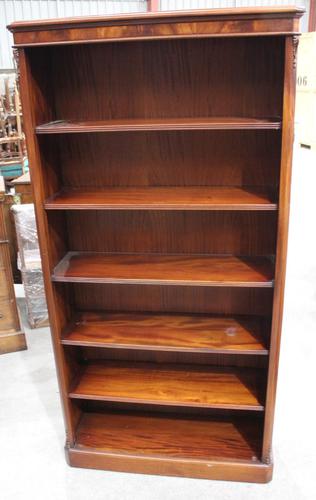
(17, 10)
(215, 4)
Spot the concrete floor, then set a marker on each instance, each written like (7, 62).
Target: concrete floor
(32, 464)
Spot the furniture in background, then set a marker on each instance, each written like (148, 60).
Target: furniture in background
(160, 148)
(11, 336)
(8, 200)
(13, 156)
(13, 159)
(18, 191)
(30, 264)
(23, 188)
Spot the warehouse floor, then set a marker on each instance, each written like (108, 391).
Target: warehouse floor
(32, 464)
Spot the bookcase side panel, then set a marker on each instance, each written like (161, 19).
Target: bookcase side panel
(282, 236)
(58, 312)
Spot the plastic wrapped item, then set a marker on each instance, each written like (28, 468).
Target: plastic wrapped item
(29, 263)
(35, 298)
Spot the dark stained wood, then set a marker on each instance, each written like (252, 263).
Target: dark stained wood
(217, 123)
(164, 105)
(250, 233)
(199, 23)
(226, 470)
(222, 158)
(34, 109)
(175, 385)
(283, 225)
(203, 102)
(212, 448)
(164, 269)
(94, 406)
(193, 198)
(170, 357)
(229, 301)
(235, 13)
(172, 436)
(188, 333)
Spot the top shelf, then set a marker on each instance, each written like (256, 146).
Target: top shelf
(130, 125)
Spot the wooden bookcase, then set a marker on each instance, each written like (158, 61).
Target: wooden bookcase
(160, 152)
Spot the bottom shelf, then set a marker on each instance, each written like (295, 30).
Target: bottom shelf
(161, 435)
(209, 447)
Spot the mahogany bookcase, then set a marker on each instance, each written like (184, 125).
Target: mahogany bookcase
(160, 148)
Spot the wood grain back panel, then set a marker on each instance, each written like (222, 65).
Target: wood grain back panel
(226, 300)
(166, 79)
(180, 158)
(239, 233)
(174, 358)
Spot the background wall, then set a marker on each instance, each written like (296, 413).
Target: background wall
(215, 4)
(17, 10)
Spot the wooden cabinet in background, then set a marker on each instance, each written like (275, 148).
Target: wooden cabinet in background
(11, 336)
(22, 194)
(160, 148)
(23, 188)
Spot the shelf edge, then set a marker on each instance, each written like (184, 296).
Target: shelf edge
(141, 347)
(148, 401)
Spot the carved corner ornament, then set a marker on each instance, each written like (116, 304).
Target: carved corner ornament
(295, 40)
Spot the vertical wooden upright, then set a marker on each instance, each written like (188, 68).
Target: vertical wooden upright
(291, 43)
(160, 151)
(12, 337)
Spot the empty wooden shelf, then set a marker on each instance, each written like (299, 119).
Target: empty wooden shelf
(169, 332)
(175, 385)
(124, 125)
(198, 270)
(192, 442)
(160, 151)
(163, 198)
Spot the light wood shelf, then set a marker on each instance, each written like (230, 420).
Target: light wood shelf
(169, 332)
(163, 198)
(201, 270)
(171, 385)
(176, 437)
